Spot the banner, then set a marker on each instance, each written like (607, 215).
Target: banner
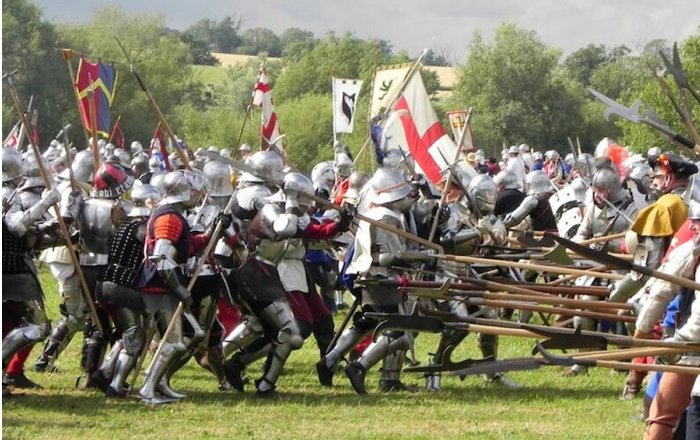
(159, 149)
(117, 136)
(421, 133)
(346, 92)
(100, 79)
(262, 97)
(457, 119)
(385, 86)
(12, 139)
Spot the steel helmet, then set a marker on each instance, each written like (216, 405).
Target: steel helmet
(12, 164)
(356, 181)
(245, 148)
(140, 195)
(136, 148)
(343, 165)
(585, 164)
(139, 164)
(569, 159)
(551, 155)
(267, 165)
(111, 181)
(181, 187)
(513, 150)
(524, 148)
(537, 182)
(694, 210)
(32, 172)
(537, 155)
(219, 178)
(154, 164)
(482, 193)
(123, 155)
(83, 167)
(322, 175)
(158, 180)
(175, 161)
(389, 185)
(643, 173)
(299, 182)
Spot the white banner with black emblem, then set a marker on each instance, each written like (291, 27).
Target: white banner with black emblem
(346, 92)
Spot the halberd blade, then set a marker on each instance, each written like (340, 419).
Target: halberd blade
(500, 366)
(600, 257)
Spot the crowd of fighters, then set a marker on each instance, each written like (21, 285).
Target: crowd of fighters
(281, 262)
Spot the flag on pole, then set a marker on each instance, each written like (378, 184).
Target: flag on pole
(345, 95)
(386, 84)
(117, 136)
(262, 97)
(457, 120)
(159, 149)
(421, 133)
(12, 139)
(104, 81)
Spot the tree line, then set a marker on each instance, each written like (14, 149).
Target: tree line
(522, 90)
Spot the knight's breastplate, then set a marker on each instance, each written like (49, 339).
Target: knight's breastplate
(14, 252)
(98, 218)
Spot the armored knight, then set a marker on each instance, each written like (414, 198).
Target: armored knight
(536, 205)
(23, 303)
(265, 227)
(375, 251)
(470, 223)
(117, 288)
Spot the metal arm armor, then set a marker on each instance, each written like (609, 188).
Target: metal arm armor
(528, 204)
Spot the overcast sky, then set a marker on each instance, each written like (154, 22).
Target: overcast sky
(444, 25)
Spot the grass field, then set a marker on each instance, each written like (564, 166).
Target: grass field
(549, 406)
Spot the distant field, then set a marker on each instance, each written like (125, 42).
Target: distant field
(548, 407)
(211, 74)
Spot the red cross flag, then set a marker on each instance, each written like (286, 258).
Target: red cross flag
(262, 97)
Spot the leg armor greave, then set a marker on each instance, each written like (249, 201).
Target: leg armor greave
(488, 344)
(155, 374)
(391, 371)
(385, 345)
(21, 337)
(279, 315)
(242, 335)
(346, 341)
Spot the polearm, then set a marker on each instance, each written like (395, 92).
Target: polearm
(61, 224)
(93, 126)
(114, 129)
(156, 109)
(22, 129)
(450, 177)
(68, 56)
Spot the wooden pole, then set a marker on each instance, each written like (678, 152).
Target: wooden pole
(68, 56)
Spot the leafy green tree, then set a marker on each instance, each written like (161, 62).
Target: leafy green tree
(223, 36)
(514, 88)
(296, 42)
(199, 51)
(260, 40)
(29, 47)
(160, 57)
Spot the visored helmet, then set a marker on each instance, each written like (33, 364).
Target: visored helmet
(322, 175)
(219, 178)
(32, 172)
(537, 182)
(136, 148)
(123, 155)
(482, 193)
(356, 182)
(140, 196)
(12, 164)
(111, 181)
(389, 185)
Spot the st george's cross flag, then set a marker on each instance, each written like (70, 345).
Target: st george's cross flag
(346, 92)
(269, 129)
(421, 133)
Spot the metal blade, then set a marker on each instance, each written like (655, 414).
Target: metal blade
(600, 257)
(445, 365)
(615, 108)
(563, 338)
(558, 255)
(406, 322)
(500, 366)
(561, 360)
(529, 241)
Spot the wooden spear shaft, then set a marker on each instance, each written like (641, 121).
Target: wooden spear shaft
(61, 224)
(546, 309)
(68, 56)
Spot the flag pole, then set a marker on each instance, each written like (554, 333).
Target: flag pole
(68, 56)
(93, 125)
(156, 109)
(333, 103)
(114, 129)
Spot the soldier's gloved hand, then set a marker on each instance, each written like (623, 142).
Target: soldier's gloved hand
(224, 220)
(485, 225)
(70, 204)
(184, 296)
(447, 241)
(670, 358)
(347, 215)
(50, 197)
(444, 215)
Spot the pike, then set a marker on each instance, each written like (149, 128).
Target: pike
(621, 264)
(547, 359)
(154, 106)
(633, 115)
(61, 224)
(675, 68)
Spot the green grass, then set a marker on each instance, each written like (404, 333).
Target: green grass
(210, 74)
(548, 407)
